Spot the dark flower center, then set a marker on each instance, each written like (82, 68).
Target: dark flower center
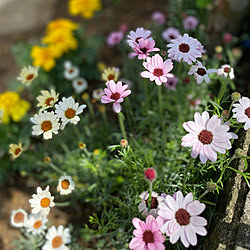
(226, 69)
(186, 80)
(247, 112)
(172, 37)
(148, 237)
(201, 71)
(144, 50)
(46, 126)
(48, 101)
(111, 77)
(70, 71)
(205, 137)
(70, 113)
(115, 96)
(17, 151)
(79, 82)
(184, 48)
(158, 72)
(182, 217)
(154, 202)
(137, 39)
(29, 77)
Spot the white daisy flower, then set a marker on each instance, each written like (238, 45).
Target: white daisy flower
(200, 72)
(66, 185)
(36, 224)
(18, 218)
(57, 238)
(68, 110)
(242, 112)
(143, 206)
(28, 74)
(79, 85)
(70, 71)
(15, 150)
(97, 94)
(185, 48)
(226, 70)
(46, 124)
(1, 115)
(47, 99)
(42, 201)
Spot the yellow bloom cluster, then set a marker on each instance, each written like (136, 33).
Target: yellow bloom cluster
(13, 106)
(59, 39)
(86, 8)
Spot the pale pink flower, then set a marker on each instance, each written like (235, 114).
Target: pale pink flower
(190, 23)
(134, 37)
(228, 37)
(114, 38)
(170, 34)
(115, 93)
(171, 83)
(207, 136)
(242, 112)
(182, 220)
(143, 48)
(185, 48)
(158, 70)
(226, 70)
(200, 72)
(158, 17)
(147, 235)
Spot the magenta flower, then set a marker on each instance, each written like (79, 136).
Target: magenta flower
(147, 235)
(114, 38)
(190, 23)
(134, 37)
(228, 37)
(143, 48)
(158, 17)
(207, 136)
(158, 70)
(182, 220)
(115, 93)
(185, 48)
(171, 83)
(170, 34)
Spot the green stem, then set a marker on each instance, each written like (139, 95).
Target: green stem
(222, 91)
(160, 100)
(58, 170)
(63, 204)
(203, 194)
(186, 171)
(121, 123)
(146, 94)
(78, 134)
(238, 128)
(91, 110)
(150, 195)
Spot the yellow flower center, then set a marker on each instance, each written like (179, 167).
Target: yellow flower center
(37, 224)
(48, 101)
(45, 202)
(19, 217)
(70, 113)
(65, 184)
(46, 126)
(57, 242)
(29, 77)
(17, 151)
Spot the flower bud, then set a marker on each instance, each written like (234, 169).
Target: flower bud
(225, 114)
(47, 160)
(150, 174)
(211, 186)
(239, 152)
(81, 145)
(235, 96)
(85, 96)
(124, 143)
(228, 37)
(218, 49)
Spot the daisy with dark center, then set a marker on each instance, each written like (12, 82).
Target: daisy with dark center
(42, 201)
(185, 48)
(171, 83)
(147, 234)
(110, 74)
(18, 218)
(242, 112)
(226, 70)
(201, 73)
(15, 150)
(114, 38)
(135, 36)
(70, 71)
(80, 84)
(36, 224)
(97, 94)
(144, 206)
(207, 136)
(190, 23)
(158, 70)
(115, 94)
(28, 74)
(143, 48)
(170, 34)
(46, 123)
(182, 218)
(47, 99)
(68, 110)
(66, 185)
(57, 238)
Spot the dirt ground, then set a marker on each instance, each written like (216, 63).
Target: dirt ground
(130, 12)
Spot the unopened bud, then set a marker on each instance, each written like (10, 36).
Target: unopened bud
(85, 96)
(150, 174)
(218, 49)
(237, 52)
(124, 143)
(211, 186)
(47, 160)
(225, 114)
(239, 152)
(228, 37)
(235, 96)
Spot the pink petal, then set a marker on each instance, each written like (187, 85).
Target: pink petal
(173, 226)
(195, 208)
(179, 199)
(191, 127)
(117, 107)
(112, 86)
(126, 93)
(151, 223)
(210, 154)
(146, 74)
(199, 121)
(212, 123)
(106, 99)
(138, 233)
(203, 157)
(171, 203)
(158, 236)
(200, 230)
(143, 225)
(136, 223)
(183, 238)
(119, 87)
(198, 221)
(135, 243)
(196, 149)
(189, 140)
(165, 212)
(188, 198)
(175, 237)
(107, 92)
(159, 221)
(159, 245)
(151, 246)
(190, 235)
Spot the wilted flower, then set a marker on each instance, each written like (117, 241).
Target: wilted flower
(124, 143)
(114, 38)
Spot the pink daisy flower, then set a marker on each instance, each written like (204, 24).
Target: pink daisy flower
(158, 70)
(190, 23)
(207, 136)
(242, 112)
(170, 34)
(143, 48)
(158, 17)
(171, 83)
(115, 93)
(114, 38)
(185, 48)
(134, 37)
(147, 235)
(182, 218)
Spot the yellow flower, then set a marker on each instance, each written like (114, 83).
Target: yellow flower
(61, 24)
(110, 74)
(82, 145)
(85, 96)
(61, 40)
(84, 7)
(13, 107)
(47, 160)
(218, 49)
(96, 152)
(44, 57)
(15, 150)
